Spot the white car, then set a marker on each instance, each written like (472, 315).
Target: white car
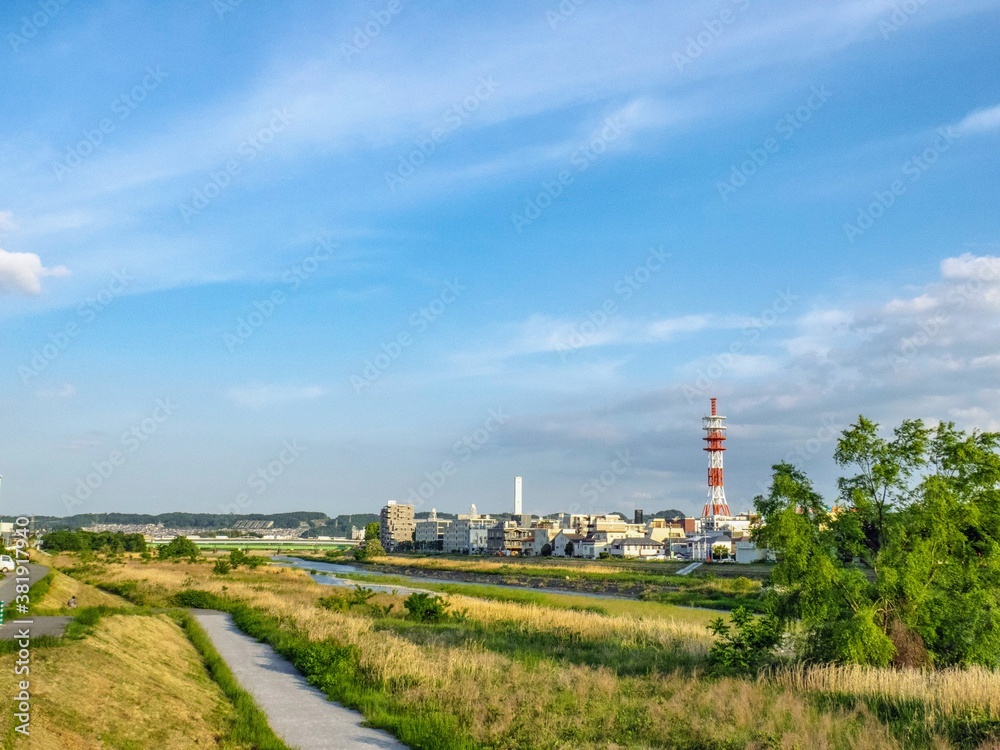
(7, 563)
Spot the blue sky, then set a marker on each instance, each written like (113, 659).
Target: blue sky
(280, 258)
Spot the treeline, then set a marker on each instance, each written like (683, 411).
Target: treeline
(341, 525)
(78, 541)
(181, 520)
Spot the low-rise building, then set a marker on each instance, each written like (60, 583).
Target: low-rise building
(641, 547)
(599, 541)
(662, 529)
(563, 540)
(507, 538)
(747, 552)
(543, 536)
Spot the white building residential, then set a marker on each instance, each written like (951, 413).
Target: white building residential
(543, 536)
(642, 547)
(564, 538)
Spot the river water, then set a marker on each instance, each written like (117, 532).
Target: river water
(326, 573)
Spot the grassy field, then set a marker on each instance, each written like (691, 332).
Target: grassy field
(63, 587)
(524, 674)
(127, 678)
(135, 682)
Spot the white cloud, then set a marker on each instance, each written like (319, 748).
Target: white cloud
(981, 121)
(23, 272)
(67, 390)
(669, 327)
(259, 395)
(7, 221)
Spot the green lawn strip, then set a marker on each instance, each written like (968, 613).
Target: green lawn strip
(249, 727)
(613, 606)
(38, 591)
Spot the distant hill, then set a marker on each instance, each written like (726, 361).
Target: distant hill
(183, 520)
(670, 514)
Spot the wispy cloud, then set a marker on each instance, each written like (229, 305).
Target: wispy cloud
(259, 395)
(981, 121)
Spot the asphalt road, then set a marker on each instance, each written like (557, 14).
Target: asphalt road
(297, 712)
(7, 592)
(37, 625)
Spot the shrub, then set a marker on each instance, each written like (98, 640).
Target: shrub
(371, 548)
(424, 607)
(360, 596)
(335, 602)
(745, 649)
(221, 568)
(238, 557)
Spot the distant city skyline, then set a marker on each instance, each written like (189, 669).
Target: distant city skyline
(266, 259)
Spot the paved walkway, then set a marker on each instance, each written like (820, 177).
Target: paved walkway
(36, 625)
(297, 712)
(48, 625)
(8, 584)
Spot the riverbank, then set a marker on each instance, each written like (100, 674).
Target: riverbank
(592, 579)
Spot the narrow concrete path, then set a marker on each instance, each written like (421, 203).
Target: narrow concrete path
(9, 584)
(297, 712)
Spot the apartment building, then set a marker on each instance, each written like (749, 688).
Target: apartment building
(466, 535)
(429, 533)
(397, 525)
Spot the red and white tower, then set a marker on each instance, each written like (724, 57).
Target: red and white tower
(715, 438)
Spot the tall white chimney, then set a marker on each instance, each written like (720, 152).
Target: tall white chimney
(517, 496)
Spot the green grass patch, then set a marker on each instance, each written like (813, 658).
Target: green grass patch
(606, 605)
(39, 589)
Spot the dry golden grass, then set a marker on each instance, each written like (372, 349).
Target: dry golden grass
(668, 633)
(501, 566)
(950, 692)
(504, 702)
(135, 682)
(63, 587)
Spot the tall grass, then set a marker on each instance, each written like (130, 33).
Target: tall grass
(948, 692)
(440, 692)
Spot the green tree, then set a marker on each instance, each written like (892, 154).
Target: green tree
(372, 530)
(180, 547)
(568, 549)
(369, 549)
(885, 470)
(922, 514)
